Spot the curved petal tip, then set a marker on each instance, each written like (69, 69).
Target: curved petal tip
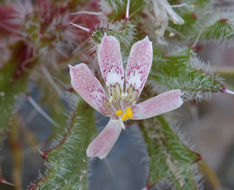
(138, 67)
(147, 39)
(104, 142)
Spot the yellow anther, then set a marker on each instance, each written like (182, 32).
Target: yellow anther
(119, 112)
(128, 109)
(129, 112)
(124, 117)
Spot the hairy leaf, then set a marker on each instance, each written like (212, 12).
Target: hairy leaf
(67, 161)
(169, 158)
(125, 32)
(219, 30)
(184, 70)
(202, 22)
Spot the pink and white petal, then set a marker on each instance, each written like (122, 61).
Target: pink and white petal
(138, 67)
(111, 66)
(89, 88)
(103, 143)
(157, 105)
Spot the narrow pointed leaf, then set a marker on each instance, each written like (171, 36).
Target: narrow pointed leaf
(219, 30)
(67, 161)
(185, 71)
(168, 156)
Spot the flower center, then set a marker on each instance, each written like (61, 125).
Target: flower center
(127, 115)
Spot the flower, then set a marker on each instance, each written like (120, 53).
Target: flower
(124, 88)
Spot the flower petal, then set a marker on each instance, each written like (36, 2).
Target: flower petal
(137, 71)
(103, 143)
(89, 88)
(111, 66)
(157, 105)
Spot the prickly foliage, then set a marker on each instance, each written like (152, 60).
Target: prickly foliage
(169, 158)
(220, 30)
(204, 20)
(67, 163)
(185, 71)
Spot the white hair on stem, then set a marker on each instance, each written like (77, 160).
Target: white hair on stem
(41, 111)
(80, 27)
(127, 10)
(88, 13)
(51, 81)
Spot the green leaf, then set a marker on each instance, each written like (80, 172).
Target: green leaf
(201, 23)
(68, 163)
(169, 157)
(14, 76)
(221, 29)
(184, 70)
(124, 31)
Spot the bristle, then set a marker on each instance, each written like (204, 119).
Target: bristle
(127, 10)
(80, 27)
(41, 111)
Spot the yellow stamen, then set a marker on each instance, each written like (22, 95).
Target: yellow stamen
(119, 112)
(129, 112)
(124, 117)
(128, 109)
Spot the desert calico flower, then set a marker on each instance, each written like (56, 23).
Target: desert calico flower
(124, 88)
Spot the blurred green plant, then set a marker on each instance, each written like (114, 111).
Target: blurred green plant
(14, 77)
